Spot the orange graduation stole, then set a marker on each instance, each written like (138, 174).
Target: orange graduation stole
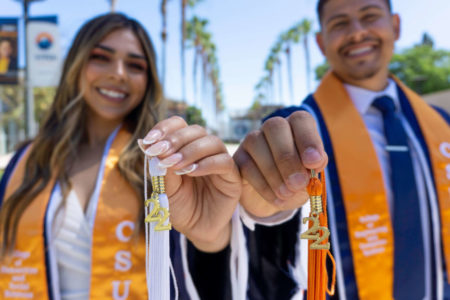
(368, 217)
(118, 258)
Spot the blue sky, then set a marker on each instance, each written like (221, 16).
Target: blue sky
(243, 30)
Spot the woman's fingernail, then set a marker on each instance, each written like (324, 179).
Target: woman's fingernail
(152, 137)
(158, 148)
(311, 155)
(141, 144)
(187, 170)
(298, 181)
(284, 191)
(171, 160)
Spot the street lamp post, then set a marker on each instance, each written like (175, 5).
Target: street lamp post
(30, 122)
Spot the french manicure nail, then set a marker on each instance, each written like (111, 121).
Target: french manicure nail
(187, 170)
(141, 144)
(152, 137)
(171, 160)
(158, 148)
(297, 181)
(311, 155)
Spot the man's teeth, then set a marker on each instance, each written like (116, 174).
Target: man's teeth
(360, 51)
(112, 94)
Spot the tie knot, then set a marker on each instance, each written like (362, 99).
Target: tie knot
(385, 104)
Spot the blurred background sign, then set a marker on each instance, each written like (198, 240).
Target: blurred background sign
(8, 50)
(44, 51)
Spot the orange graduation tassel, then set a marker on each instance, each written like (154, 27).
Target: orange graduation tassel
(319, 247)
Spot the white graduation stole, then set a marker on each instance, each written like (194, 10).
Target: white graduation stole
(157, 235)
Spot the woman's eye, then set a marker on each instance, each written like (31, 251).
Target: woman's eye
(99, 57)
(136, 66)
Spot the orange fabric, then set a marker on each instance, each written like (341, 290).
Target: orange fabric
(118, 260)
(368, 218)
(24, 277)
(363, 191)
(317, 270)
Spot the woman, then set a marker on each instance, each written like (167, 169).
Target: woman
(71, 213)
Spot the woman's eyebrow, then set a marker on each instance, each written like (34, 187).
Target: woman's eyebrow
(111, 50)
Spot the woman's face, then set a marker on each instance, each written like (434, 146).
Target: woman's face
(114, 79)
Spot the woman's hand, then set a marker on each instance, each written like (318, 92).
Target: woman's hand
(202, 182)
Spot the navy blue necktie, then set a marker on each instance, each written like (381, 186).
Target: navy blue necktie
(409, 258)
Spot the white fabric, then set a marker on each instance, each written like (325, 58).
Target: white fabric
(279, 218)
(238, 259)
(157, 243)
(60, 260)
(72, 243)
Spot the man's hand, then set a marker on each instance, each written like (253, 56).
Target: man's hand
(275, 161)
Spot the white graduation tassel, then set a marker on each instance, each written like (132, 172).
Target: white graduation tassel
(157, 226)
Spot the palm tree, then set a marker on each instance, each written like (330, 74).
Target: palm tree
(164, 41)
(184, 5)
(286, 40)
(306, 26)
(275, 53)
(112, 5)
(196, 35)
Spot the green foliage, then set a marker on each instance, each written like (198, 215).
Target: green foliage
(43, 98)
(321, 70)
(421, 67)
(12, 103)
(194, 116)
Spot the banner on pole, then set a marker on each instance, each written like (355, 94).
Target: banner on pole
(8, 51)
(44, 51)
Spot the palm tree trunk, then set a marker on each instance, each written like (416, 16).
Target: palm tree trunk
(289, 70)
(164, 43)
(280, 82)
(112, 6)
(194, 75)
(308, 63)
(183, 39)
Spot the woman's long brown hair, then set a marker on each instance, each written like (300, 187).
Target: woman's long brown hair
(62, 132)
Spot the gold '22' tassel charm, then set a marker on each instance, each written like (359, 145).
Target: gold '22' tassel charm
(315, 190)
(157, 213)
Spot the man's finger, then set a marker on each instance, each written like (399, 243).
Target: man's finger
(278, 134)
(308, 141)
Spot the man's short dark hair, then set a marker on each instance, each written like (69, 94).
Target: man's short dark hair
(321, 4)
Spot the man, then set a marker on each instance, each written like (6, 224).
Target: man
(388, 173)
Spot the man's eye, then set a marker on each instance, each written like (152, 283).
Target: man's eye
(370, 18)
(339, 25)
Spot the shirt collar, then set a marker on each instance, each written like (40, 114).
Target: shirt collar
(362, 98)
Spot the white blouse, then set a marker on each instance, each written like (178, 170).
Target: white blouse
(72, 243)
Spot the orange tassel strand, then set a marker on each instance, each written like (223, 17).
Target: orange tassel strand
(319, 247)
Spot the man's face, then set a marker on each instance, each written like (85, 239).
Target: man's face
(358, 37)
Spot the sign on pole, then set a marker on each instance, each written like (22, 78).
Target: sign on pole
(44, 52)
(8, 50)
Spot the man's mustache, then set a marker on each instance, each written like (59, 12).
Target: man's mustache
(353, 43)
